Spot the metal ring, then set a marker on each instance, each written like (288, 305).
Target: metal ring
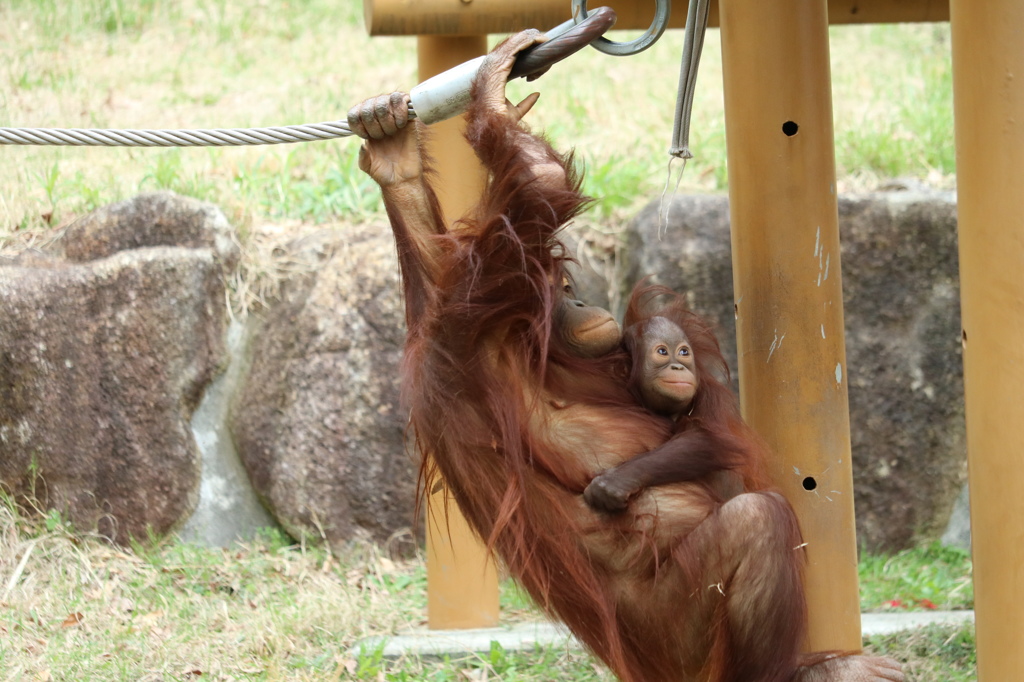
(662, 8)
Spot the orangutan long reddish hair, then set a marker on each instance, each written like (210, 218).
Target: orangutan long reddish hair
(518, 400)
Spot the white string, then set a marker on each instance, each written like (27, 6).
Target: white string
(665, 207)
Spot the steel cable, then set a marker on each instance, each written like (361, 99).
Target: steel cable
(214, 137)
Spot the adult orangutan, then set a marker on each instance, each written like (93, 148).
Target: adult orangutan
(518, 396)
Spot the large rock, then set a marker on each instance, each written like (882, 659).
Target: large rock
(318, 422)
(102, 362)
(154, 219)
(901, 288)
(900, 278)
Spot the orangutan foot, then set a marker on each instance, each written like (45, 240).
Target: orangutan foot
(852, 669)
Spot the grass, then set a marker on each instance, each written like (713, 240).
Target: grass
(924, 578)
(156, 63)
(940, 653)
(215, 63)
(75, 608)
(901, 126)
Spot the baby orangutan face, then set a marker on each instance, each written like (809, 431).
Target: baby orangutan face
(589, 331)
(669, 370)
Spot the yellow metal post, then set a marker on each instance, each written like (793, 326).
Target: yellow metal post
(462, 581)
(988, 100)
(788, 285)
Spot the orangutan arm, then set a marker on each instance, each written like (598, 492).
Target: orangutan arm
(393, 157)
(533, 185)
(689, 456)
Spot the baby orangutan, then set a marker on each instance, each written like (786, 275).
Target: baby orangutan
(710, 442)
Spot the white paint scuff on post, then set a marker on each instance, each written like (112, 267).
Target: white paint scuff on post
(776, 344)
(839, 373)
(818, 251)
(824, 261)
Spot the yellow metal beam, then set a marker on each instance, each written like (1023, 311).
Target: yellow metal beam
(475, 17)
(462, 579)
(988, 101)
(788, 284)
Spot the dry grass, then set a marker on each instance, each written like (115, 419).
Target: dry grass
(77, 608)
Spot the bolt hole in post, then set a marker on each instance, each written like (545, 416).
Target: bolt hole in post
(810, 483)
(790, 128)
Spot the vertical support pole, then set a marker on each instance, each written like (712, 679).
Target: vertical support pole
(462, 579)
(788, 285)
(988, 100)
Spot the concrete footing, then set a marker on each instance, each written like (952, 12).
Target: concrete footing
(525, 636)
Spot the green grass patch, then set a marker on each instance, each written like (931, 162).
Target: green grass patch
(325, 187)
(59, 20)
(899, 123)
(925, 578)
